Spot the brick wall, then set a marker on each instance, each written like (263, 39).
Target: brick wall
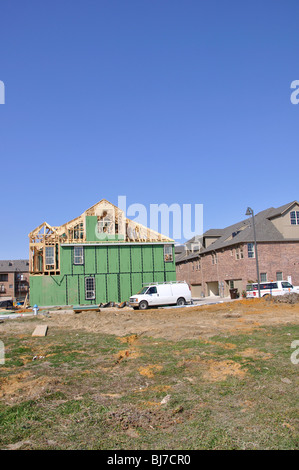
(272, 257)
(185, 272)
(10, 286)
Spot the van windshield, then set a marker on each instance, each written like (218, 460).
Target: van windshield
(286, 285)
(143, 290)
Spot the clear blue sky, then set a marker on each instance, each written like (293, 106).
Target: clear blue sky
(162, 101)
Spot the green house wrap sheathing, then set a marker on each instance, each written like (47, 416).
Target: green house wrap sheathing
(119, 271)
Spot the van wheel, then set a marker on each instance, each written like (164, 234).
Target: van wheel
(181, 301)
(143, 305)
(266, 295)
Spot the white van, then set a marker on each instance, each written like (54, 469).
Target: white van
(166, 293)
(270, 288)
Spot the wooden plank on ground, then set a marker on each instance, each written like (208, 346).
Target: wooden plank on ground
(40, 330)
(86, 308)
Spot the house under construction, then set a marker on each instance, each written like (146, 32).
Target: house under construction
(99, 257)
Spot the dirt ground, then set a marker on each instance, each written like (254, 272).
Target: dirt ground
(123, 379)
(241, 316)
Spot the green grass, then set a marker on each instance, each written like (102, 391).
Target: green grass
(93, 399)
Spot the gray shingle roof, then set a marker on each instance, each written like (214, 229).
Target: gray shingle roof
(179, 249)
(195, 239)
(185, 256)
(280, 210)
(10, 266)
(214, 232)
(242, 232)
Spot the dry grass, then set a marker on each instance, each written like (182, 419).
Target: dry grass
(218, 377)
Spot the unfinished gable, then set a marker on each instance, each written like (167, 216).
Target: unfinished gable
(101, 223)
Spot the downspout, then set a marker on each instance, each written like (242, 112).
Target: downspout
(216, 258)
(202, 281)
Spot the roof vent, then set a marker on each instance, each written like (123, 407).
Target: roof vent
(234, 234)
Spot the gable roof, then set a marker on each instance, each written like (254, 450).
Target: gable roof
(280, 210)
(214, 232)
(11, 266)
(186, 256)
(137, 230)
(242, 232)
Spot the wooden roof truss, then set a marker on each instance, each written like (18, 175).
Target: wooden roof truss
(111, 221)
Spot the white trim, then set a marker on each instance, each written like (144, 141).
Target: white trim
(80, 256)
(116, 243)
(90, 293)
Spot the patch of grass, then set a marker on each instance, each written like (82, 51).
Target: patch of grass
(18, 422)
(91, 400)
(55, 396)
(24, 411)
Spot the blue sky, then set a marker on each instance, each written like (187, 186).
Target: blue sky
(162, 101)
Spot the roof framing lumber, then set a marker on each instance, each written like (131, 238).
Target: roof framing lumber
(111, 220)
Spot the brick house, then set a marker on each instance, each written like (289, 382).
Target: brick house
(14, 279)
(227, 259)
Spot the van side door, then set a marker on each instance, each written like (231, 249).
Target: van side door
(153, 297)
(286, 286)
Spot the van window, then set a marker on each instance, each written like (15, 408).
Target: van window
(143, 290)
(269, 285)
(152, 290)
(264, 286)
(286, 285)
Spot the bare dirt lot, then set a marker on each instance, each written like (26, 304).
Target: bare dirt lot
(240, 316)
(203, 377)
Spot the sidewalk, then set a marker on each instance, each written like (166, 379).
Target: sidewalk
(204, 301)
(214, 299)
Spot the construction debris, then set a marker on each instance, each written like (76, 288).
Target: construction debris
(165, 400)
(292, 298)
(86, 308)
(122, 304)
(40, 330)
(286, 381)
